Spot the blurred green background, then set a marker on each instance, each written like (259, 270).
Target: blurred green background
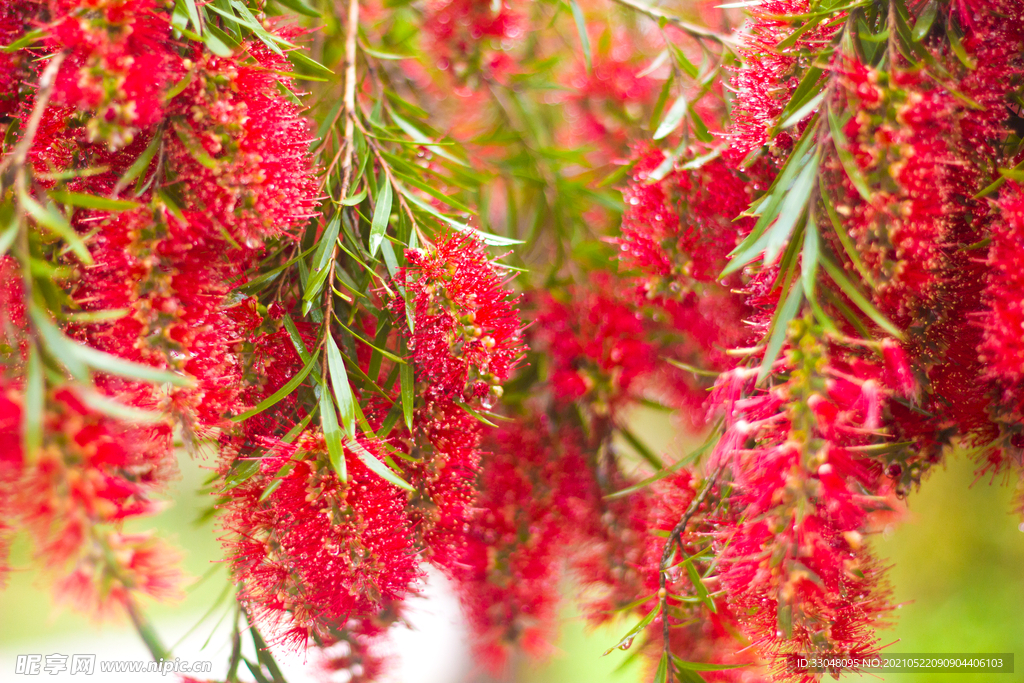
(956, 560)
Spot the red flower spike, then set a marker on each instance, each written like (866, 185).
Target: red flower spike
(467, 337)
(313, 552)
(533, 486)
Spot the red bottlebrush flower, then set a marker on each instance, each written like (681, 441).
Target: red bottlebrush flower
(315, 551)
(764, 84)
(602, 96)
(795, 570)
(119, 64)
(467, 337)
(597, 345)
(142, 565)
(680, 229)
(91, 471)
(244, 164)
(356, 653)
(14, 21)
(534, 484)
(445, 479)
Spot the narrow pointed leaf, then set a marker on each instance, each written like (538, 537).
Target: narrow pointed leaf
(332, 435)
(674, 116)
(779, 328)
(287, 389)
(627, 640)
(376, 466)
(408, 391)
(581, 27)
(342, 389)
(32, 414)
(381, 214)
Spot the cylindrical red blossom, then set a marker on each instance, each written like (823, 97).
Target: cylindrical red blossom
(466, 338)
(765, 83)
(795, 568)
(120, 61)
(120, 568)
(91, 471)
(240, 148)
(678, 231)
(534, 484)
(357, 653)
(698, 634)
(312, 551)
(596, 344)
(445, 479)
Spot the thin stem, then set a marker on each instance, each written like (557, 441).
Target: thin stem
(676, 538)
(698, 32)
(146, 631)
(348, 151)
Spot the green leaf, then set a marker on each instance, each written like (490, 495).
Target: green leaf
(381, 215)
(240, 472)
(842, 147)
(90, 201)
(858, 299)
(300, 7)
(766, 207)
(925, 20)
(325, 246)
(7, 238)
(645, 452)
(379, 54)
(60, 346)
(193, 14)
(675, 116)
(803, 112)
(485, 237)
(809, 256)
(419, 137)
(780, 326)
(659, 105)
(683, 61)
(661, 673)
(25, 40)
(354, 199)
(698, 585)
(844, 238)
(139, 166)
(112, 365)
(301, 58)
(34, 408)
(708, 444)
(379, 468)
(703, 666)
(953, 33)
(793, 207)
(219, 43)
(332, 435)
(476, 415)
(581, 28)
(116, 409)
(627, 640)
(407, 377)
(290, 386)
(810, 85)
(54, 221)
(342, 389)
(700, 129)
